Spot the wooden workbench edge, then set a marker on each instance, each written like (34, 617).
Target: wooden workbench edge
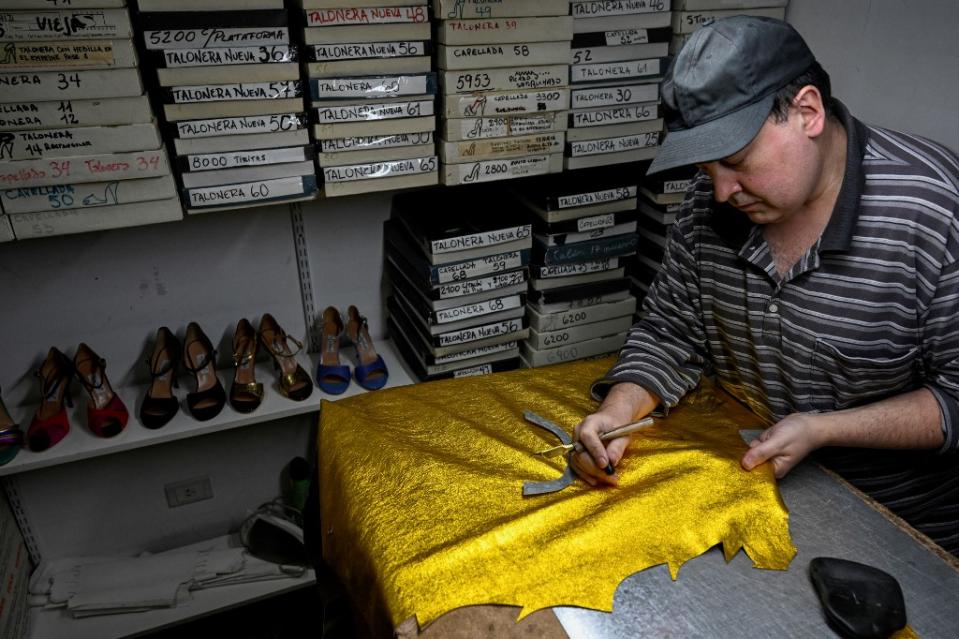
(898, 521)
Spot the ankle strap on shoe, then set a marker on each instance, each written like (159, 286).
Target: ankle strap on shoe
(101, 366)
(286, 339)
(166, 368)
(54, 383)
(361, 324)
(166, 343)
(208, 355)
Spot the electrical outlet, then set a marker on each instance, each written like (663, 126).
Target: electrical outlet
(188, 491)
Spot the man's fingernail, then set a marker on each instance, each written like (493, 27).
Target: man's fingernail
(609, 469)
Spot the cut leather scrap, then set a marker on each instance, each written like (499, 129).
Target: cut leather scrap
(421, 512)
(533, 488)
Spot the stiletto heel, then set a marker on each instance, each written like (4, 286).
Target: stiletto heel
(11, 437)
(50, 423)
(370, 370)
(160, 404)
(199, 358)
(295, 383)
(106, 413)
(245, 393)
(332, 377)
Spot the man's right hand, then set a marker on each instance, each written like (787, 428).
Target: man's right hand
(624, 403)
(591, 464)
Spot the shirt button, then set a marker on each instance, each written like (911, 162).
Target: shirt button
(773, 308)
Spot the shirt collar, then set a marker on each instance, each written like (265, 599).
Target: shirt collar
(842, 223)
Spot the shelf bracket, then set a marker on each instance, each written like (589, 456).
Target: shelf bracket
(306, 280)
(16, 505)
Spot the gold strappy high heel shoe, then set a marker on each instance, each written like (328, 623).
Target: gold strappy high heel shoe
(295, 382)
(245, 392)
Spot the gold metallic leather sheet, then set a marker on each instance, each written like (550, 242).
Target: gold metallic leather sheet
(422, 511)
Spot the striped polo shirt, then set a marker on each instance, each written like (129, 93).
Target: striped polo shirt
(870, 311)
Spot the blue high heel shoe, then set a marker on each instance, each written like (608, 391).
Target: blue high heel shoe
(331, 376)
(370, 371)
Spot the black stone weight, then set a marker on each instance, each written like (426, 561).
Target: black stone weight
(861, 602)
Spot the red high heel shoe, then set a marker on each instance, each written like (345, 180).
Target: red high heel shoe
(106, 413)
(50, 423)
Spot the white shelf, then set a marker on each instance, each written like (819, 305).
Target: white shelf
(81, 443)
(58, 623)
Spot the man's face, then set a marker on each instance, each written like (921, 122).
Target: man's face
(773, 176)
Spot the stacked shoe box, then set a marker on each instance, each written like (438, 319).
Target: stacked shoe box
(232, 100)
(659, 198)
(458, 282)
(618, 59)
(79, 147)
(689, 15)
(584, 227)
(372, 93)
(504, 76)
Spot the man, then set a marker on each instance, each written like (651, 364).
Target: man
(813, 269)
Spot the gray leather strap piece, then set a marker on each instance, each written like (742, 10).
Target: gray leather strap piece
(542, 422)
(542, 487)
(551, 486)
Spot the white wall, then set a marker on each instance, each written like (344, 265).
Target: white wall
(894, 63)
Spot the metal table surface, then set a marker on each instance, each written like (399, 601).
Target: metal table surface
(715, 599)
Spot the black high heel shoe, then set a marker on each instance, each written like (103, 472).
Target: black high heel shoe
(199, 357)
(161, 404)
(295, 382)
(245, 392)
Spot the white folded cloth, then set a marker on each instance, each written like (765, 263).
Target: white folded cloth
(142, 582)
(89, 586)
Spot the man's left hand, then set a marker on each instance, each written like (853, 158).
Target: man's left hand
(785, 444)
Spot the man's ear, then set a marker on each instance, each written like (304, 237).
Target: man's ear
(812, 111)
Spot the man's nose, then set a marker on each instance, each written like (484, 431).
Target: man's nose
(725, 183)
